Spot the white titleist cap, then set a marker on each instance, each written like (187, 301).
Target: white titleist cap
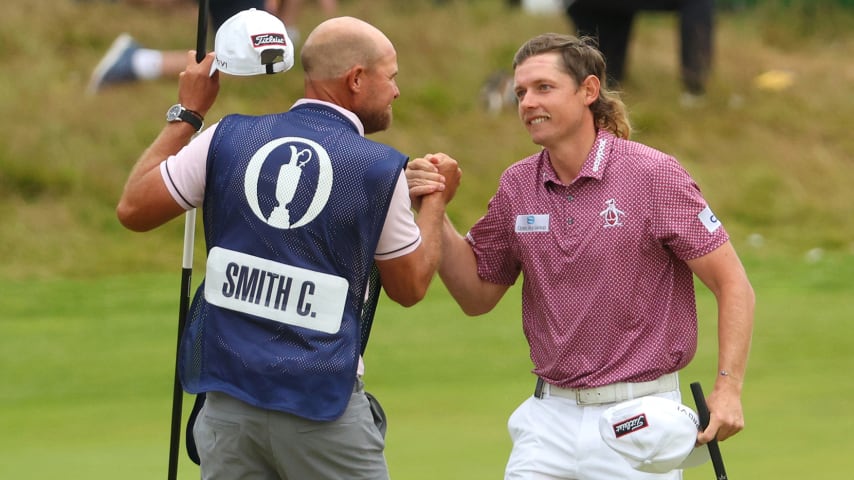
(252, 42)
(653, 434)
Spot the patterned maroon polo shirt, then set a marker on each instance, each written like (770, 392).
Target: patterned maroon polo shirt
(607, 296)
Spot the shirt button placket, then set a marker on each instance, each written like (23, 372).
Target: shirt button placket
(570, 220)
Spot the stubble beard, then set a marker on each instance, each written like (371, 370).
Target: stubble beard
(376, 121)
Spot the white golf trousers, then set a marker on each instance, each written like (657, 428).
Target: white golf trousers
(556, 439)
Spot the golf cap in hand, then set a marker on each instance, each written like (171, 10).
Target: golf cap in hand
(252, 42)
(654, 434)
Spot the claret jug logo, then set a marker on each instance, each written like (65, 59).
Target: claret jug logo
(283, 170)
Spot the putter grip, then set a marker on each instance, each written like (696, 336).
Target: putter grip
(714, 449)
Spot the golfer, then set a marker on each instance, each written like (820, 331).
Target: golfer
(298, 206)
(607, 234)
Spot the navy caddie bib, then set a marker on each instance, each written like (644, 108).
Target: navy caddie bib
(293, 209)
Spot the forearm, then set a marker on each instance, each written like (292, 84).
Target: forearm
(406, 279)
(429, 220)
(735, 325)
(146, 202)
(735, 330)
(458, 270)
(143, 204)
(170, 141)
(723, 273)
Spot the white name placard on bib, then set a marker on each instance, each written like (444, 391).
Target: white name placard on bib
(272, 290)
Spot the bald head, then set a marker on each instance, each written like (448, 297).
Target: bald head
(338, 44)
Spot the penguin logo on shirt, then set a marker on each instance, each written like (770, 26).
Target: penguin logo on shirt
(288, 182)
(612, 214)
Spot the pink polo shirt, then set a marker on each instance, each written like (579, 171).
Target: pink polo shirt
(606, 296)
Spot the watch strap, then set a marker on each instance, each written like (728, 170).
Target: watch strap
(192, 118)
(185, 115)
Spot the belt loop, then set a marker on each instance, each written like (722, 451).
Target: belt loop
(538, 390)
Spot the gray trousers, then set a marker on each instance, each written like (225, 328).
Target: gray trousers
(237, 440)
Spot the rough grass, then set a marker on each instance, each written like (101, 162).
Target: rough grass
(774, 163)
(87, 370)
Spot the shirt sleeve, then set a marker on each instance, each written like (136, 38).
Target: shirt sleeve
(493, 242)
(185, 172)
(682, 219)
(400, 235)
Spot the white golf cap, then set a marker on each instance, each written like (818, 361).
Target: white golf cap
(252, 42)
(653, 434)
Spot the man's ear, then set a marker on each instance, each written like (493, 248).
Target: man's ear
(591, 86)
(355, 78)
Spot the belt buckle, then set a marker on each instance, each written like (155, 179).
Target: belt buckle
(586, 396)
(595, 395)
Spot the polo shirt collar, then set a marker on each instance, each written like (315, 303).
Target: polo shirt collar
(594, 166)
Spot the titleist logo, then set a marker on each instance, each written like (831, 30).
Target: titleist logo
(263, 39)
(631, 425)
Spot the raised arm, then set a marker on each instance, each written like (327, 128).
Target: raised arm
(722, 272)
(145, 202)
(406, 278)
(458, 271)
(458, 266)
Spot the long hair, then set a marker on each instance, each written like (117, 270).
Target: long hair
(581, 58)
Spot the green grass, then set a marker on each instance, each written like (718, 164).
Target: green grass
(88, 368)
(777, 163)
(87, 331)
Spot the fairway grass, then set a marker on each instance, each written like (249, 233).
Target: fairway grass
(87, 341)
(87, 370)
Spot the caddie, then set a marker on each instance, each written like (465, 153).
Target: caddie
(298, 207)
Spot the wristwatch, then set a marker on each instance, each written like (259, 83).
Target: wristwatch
(177, 113)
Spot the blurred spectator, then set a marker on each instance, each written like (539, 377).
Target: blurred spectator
(610, 21)
(127, 61)
(497, 93)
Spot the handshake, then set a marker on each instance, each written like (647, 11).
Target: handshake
(434, 175)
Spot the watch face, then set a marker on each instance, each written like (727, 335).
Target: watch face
(173, 113)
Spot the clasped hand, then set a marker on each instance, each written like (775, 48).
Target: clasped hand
(434, 173)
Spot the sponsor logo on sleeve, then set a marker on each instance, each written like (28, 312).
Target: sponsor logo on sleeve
(710, 221)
